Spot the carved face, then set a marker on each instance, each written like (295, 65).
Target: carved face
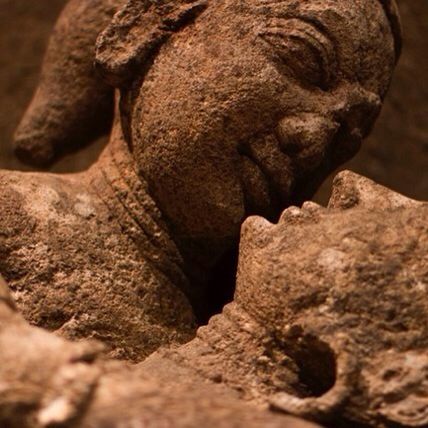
(344, 290)
(250, 104)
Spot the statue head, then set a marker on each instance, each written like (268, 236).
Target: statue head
(343, 291)
(238, 107)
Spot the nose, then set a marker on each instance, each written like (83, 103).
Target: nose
(356, 113)
(358, 110)
(305, 138)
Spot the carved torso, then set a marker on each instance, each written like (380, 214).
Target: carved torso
(87, 255)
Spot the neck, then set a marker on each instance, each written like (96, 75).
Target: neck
(116, 181)
(237, 352)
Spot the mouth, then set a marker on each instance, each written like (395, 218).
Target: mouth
(274, 169)
(277, 167)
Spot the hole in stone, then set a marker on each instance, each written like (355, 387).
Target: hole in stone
(316, 363)
(54, 320)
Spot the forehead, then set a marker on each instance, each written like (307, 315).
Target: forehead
(358, 31)
(362, 233)
(325, 13)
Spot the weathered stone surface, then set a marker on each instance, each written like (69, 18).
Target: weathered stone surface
(238, 124)
(328, 323)
(89, 255)
(47, 381)
(71, 104)
(25, 27)
(343, 291)
(398, 145)
(399, 129)
(226, 109)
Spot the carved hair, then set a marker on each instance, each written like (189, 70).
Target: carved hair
(134, 35)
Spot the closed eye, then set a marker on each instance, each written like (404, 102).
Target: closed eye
(302, 49)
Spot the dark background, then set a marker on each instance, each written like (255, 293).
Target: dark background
(395, 155)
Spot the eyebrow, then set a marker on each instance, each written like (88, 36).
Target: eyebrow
(289, 10)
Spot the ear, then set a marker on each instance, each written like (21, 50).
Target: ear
(136, 32)
(328, 405)
(351, 190)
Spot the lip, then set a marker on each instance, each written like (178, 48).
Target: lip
(273, 193)
(271, 170)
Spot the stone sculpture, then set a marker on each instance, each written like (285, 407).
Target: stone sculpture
(227, 109)
(327, 323)
(72, 105)
(344, 294)
(74, 386)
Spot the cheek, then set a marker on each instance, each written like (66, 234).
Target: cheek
(187, 124)
(186, 152)
(196, 186)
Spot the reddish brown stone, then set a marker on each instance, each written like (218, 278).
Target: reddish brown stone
(327, 324)
(71, 106)
(342, 289)
(226, 109)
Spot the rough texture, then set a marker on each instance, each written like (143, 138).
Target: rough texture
(25, 27)
(343, 291)
(226, 109)
(71, 106)
(307, 334)
(328, 320)
(400, 129)
(89, 255)
(398, 145)
(263, 104)
(74, 386)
